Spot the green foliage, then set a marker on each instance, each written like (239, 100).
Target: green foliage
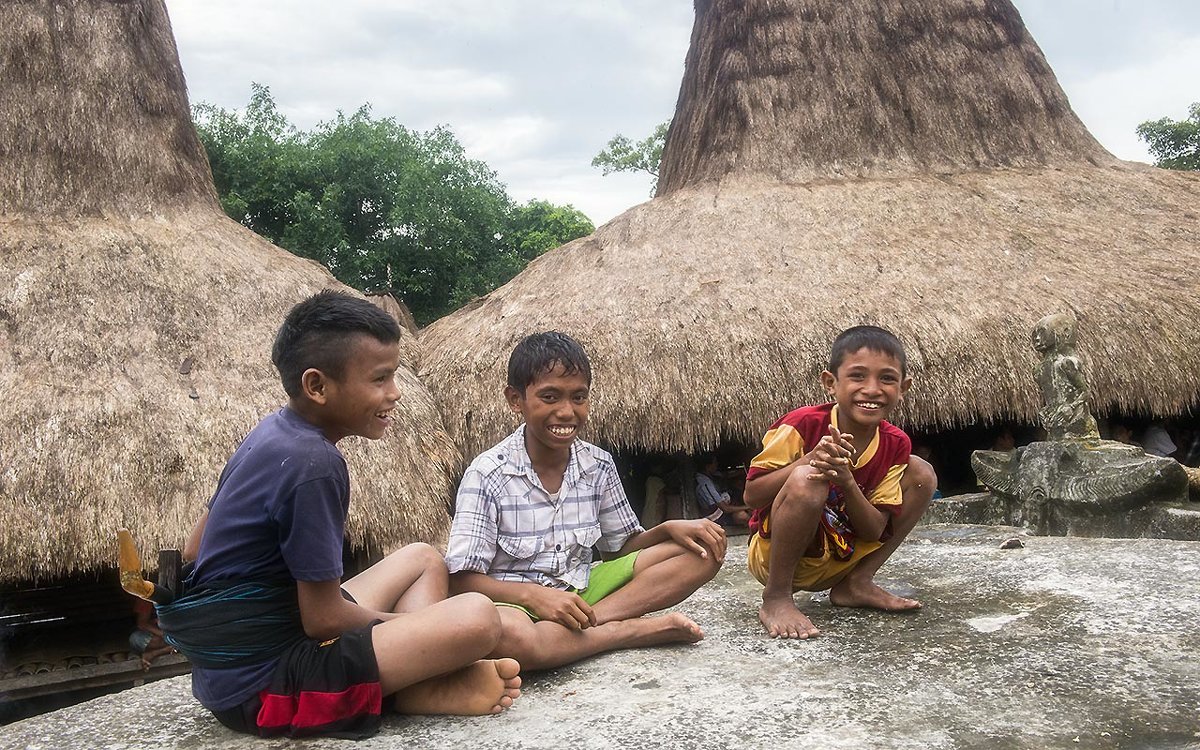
(1175, 145)
(623, 155)
(539, 226)
(383, 207)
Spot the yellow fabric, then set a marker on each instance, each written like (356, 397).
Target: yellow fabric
(781, 446)
(887, 492)
(812, 573)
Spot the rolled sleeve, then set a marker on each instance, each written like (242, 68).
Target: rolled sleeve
(473, 532)
(617, 519)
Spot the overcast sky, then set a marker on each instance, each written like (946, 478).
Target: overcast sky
(537, 87)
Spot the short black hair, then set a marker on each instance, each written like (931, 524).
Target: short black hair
(318, 333)
(873, 338)
(537, 354)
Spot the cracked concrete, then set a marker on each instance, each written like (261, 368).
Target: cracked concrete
(1065, 643)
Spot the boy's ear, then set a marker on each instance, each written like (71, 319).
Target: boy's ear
(829, 382)
(905, 384)
(313, 385)
(514, 398)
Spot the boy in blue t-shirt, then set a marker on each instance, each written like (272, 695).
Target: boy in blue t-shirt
(278, 644)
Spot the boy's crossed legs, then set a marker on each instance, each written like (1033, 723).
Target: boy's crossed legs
(432, 657)
(663, 575)
(795, 530)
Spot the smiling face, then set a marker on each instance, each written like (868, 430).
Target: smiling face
(555, 408)
(867, 386)
(361, 401)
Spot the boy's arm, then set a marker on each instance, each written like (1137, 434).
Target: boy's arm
(557, 605)
(783, 450)
(762, 489)
(325, 613)
(191, 548)
(699, 536)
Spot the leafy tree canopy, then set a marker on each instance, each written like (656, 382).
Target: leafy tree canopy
(383, 207)
(623, 155)
(1175, 145)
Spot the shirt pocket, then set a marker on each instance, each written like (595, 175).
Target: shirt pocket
(518, 547)
(587, 537)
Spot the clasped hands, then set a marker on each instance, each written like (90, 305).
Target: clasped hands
(833, 459)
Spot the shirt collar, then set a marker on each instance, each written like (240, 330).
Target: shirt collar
(516, 459)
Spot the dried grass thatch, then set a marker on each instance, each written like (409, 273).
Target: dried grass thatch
(135, 319)
(909, 164)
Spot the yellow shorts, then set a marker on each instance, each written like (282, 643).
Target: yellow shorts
(812, 573)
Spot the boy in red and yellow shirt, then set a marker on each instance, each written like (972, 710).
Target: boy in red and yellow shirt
(835, 489)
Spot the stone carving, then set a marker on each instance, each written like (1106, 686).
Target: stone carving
(1073, 482)
(1065, 413)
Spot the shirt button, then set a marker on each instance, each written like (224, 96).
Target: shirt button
(558, 548)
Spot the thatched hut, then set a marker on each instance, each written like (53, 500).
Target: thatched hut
(135, 318)
(911, 164)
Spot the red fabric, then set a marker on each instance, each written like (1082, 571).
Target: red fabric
(315, 709)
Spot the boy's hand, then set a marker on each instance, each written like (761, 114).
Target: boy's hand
(831, 458)
(700, 536)
(564, 607)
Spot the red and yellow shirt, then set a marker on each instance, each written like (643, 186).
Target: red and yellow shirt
(877, 470)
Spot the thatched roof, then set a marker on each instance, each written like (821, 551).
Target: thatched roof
(833, 162)
(136, 319)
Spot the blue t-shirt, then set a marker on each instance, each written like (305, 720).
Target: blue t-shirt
(279, 512)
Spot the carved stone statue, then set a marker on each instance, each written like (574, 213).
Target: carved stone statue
(1073, 482)
(1065, 413)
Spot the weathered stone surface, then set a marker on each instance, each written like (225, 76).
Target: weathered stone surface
(1067, 643)
(1080, 489)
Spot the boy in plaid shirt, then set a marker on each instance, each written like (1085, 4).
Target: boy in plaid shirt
(530, 510)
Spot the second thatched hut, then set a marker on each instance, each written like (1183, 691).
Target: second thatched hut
(910, 164)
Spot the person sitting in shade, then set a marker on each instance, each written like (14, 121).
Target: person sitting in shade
(714, 503)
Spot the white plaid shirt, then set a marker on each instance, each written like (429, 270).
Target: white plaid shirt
(507, 526)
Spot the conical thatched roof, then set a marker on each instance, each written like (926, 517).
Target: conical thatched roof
(136, 319)
(912, 164)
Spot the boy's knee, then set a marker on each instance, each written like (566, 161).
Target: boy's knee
(800, 492)
(478, 613)
(426, 554)
(919, 482)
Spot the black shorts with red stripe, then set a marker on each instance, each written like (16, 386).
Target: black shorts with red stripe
(329, 688)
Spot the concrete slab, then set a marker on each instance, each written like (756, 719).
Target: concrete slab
(1065, 643)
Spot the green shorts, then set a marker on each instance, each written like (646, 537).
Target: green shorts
(605, 578)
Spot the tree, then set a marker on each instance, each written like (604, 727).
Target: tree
(538, 226)
(623, 155)
(1175, 145)
(383, 207)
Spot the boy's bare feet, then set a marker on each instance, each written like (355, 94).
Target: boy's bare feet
(782, 620)
(486, 687)
(672, 627)
(867, 594)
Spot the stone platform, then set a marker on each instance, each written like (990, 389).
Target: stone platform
(1065, 643)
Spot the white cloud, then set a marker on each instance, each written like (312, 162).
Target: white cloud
(537, 87)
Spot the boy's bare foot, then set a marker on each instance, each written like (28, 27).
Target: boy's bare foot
(782, 620)
(868, 594)
(672, 627)
(486, 687)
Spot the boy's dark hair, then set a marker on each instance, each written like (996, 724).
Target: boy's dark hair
(318, 333)
(539, 352)
(873, 338)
